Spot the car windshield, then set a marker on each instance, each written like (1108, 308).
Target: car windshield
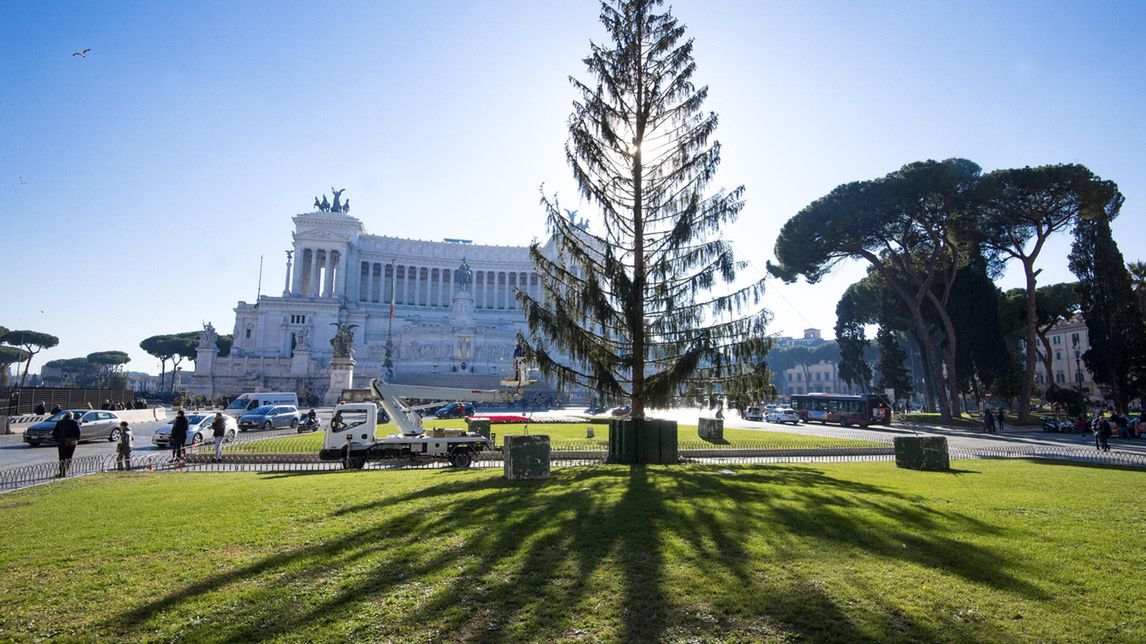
(262, 411)
(238, 403)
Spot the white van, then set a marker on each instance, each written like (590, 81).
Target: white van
(247, 402)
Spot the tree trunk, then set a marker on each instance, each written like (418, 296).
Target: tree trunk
(1032, 332)
(933, 362)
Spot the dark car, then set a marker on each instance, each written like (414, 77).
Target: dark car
(753, 413)
(269, 417)
(456, 410)
(94, 425)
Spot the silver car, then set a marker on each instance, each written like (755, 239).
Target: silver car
(198, 430)
(269, 417)
(94, 425)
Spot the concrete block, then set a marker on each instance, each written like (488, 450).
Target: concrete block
(479, 425)
(526, 457)
(922, 453)
(711, 429)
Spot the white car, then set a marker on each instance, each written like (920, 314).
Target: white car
(782, 415)
(198, 430)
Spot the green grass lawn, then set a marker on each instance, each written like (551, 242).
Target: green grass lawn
(996, 551)
(572, 436)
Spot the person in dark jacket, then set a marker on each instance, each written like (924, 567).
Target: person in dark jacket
(55, 409)
(178, 436)
(66, 433)
(41, 408)
(1102, 434)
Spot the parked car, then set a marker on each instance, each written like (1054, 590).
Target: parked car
(753, 413)
(456, 410)
(782, 415)
(94, 425)
(269, 417)
(198, 430)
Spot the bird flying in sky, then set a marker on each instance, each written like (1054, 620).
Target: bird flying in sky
(82, 54)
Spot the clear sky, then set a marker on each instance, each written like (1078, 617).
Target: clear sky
(141, 184)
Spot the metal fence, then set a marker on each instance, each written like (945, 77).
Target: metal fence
(201, 459)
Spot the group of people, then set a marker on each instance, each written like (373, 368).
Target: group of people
(67, 436)
(994, 422)
(1104, 427)
(42, 408)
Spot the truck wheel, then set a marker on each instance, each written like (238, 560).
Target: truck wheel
(461, 458)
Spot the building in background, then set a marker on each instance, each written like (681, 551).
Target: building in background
(447, 309)
(1069, 341)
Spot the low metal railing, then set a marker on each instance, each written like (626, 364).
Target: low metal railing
(201, 459)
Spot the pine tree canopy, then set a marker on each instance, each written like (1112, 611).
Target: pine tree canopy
(646, 304)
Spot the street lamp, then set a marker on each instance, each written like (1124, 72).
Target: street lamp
(1077, 363)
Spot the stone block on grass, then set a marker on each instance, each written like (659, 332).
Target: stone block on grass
(526, 457)
(711, 429)
(927, 453)
(479, 425)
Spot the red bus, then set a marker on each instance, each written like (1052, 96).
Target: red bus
(844, 410)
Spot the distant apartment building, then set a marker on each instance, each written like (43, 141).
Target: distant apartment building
(817, 376)
(1068, 342)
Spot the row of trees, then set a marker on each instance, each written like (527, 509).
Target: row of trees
(935, 235)
(103, 369)
(20, 347)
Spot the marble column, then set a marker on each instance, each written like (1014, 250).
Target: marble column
(312, 286)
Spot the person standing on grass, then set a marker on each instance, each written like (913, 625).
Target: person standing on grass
(123, 448)
(67, 435)
(219, 430)
(178, 437)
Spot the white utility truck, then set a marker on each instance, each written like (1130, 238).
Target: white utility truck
(350, 433)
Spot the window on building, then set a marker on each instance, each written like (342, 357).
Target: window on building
(1056, 339)
(817, 376)
(248, 334)
(1058, 355)
(789, 376)
(297, 319)
(1059, 378)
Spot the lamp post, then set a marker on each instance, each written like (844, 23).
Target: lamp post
(1077, 363)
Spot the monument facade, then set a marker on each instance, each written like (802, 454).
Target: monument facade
(412, 311)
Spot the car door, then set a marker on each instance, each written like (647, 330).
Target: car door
(89, 425)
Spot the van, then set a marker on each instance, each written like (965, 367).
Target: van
(246, 402)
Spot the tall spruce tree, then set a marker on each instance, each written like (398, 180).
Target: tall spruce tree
(645, 305)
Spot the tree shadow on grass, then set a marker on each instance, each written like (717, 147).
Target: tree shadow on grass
(592, 550)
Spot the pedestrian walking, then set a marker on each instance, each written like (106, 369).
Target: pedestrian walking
(1001, 420)
(219, 430)
(1104, 433)
(123, 448)
(67, 435)
(988, 421)
(179, 437)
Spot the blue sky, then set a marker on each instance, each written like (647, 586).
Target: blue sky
(140, 185)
